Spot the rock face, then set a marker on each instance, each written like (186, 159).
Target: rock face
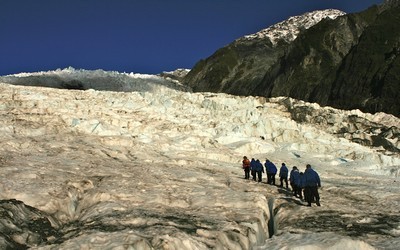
(348, 62)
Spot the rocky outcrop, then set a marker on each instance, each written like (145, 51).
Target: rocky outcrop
(379, 131)
(350, 62)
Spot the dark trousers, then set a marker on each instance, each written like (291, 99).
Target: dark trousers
(298, 192)
(311, 194)
(271, 178)
(247, 173)
(293, 186)
(259, 175)
(284, 179)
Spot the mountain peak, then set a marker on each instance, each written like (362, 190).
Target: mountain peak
(289, 29)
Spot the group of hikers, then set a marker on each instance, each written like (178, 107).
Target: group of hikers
(306, 183)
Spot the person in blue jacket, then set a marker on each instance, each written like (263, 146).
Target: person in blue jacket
(311, 184)
(259, 169)
(253, 168)
(271, 171)
(300, 185)
(283, 175)
(294, 180)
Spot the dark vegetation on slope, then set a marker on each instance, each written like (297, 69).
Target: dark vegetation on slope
(351, 62)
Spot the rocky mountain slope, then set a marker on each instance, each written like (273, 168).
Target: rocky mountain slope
(345, 61)
(241, 65)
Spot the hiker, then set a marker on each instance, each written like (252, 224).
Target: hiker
(311, 184)
(271, 171)
(246, 167)
(259, 169)
(300, 186)
(253, 168)
(283, 174)
(294, 178)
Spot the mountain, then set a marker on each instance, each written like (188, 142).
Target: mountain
(144, 163)
(345, 61)
(241, 65)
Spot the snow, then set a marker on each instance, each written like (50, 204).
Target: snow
(289, 29)
(159, 167)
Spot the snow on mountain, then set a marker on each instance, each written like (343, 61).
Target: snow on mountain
(289, 29)
(160, 168)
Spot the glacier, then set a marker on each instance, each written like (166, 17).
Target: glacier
(132, 161)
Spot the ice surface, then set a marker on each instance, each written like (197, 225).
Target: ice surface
(159, 168)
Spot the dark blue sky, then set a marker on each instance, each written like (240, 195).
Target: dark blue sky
(141, 36)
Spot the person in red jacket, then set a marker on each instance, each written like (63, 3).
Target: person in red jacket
(246, 167)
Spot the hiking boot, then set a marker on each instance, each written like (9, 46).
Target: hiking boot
(318, 204)
(309, 205)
